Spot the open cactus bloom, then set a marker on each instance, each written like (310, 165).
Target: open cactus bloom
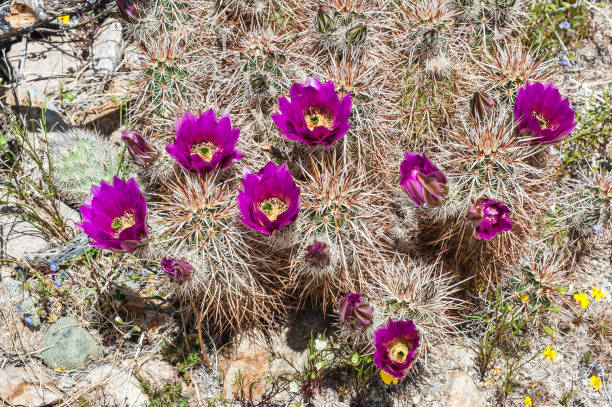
(396, 345)
(490, 217)
(315, 115)
(141, 151)
(354, 311)
(425, 183)
(204, 143)
(115, 216)
(542, 114)
(268, 200)
(178, 269)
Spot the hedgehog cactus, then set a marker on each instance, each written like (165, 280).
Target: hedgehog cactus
(367, 128)
(81, 159)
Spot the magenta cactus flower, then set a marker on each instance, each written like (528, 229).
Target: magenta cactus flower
(115, 216)
(141, 151)
(204, 143)
(396, 346)
(268, 200)
(315, 115)
(490, 217)
(543, 114)
(354, 311)
(178, 269)
(425, 183)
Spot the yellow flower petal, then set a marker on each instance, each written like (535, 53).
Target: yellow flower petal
(583, 299)
(597, 294)
(387, 379)
(595, 381)
(65, 19)
(528, 401)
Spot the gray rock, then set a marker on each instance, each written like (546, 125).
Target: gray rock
(27, 386)
(70, 346)
(19, 237)
(107, 46)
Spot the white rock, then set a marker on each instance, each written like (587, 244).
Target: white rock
(107, 46)
(113, 385)
(27, 386)
(462, 392)
(48, 64)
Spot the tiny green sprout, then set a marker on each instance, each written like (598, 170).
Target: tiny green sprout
(68, 96)
(561, 290)
(136, 328)
(114, 99)
(355, 358)
(555, 309)
(549, 331)
(587, 357)
(268, 379)
(270, 358)
(3, 143)
(312, 376)
(118, 319)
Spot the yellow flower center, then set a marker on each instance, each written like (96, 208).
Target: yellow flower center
(316, 117)
(273, 207)
(205, 150)
(544, 123)
(398, 351)
(124, 222)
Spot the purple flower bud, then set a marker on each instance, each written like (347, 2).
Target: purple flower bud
(28, 320)
(564, 61)
(317, 254)
(425, 183)
(565, 25)
(129, 9)
(53, 266)
(543, 114)
(481, 105)
(143, 153)
(355, 312)
(178, 269)
(57, 283)
(489, 217)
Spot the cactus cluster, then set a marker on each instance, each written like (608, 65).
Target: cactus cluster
(383, 150)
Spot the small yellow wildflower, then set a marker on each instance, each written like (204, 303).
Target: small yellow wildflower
(65, 19)
(525, 299)
(597, 294)
(595, 381)
(388, 379)
(583, 299)
(549, 353)
(528, 401)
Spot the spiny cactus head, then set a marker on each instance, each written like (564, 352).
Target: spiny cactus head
(410, 290)
(510, 66)
(81, 159)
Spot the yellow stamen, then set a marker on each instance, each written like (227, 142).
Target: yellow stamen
(316, 117)
(124, 222)
(273, 208)
(398, 351)
(205, 150)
